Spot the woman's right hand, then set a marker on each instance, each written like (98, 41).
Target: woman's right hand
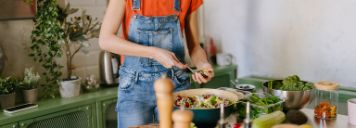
(167, 58)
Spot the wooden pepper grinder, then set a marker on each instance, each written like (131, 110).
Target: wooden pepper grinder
(164, 93)
(182, 118)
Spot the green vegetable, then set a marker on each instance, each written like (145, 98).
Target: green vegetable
(291, 83)
(260, 105)
(212, 100)
(192, 125)
(268, 120)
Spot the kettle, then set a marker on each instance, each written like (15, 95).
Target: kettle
(109, 64)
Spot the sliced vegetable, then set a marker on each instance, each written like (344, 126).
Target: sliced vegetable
(268, 120)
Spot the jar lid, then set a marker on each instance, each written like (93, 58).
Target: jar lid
(326, 85)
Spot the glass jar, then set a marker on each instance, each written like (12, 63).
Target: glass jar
(327, 98)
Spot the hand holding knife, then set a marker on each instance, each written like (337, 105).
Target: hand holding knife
(199, 71)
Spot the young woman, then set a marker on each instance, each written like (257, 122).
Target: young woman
(153, 44)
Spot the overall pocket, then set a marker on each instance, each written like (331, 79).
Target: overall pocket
(126, 80)
(181, 78)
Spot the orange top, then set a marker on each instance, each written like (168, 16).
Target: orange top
(160, 8)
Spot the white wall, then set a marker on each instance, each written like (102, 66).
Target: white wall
(315, 39)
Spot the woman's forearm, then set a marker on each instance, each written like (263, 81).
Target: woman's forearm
(197, 54)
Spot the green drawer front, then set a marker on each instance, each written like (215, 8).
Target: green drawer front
(14, 125)
(78, 119)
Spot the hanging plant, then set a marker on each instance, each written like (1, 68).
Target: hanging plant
(45, 46)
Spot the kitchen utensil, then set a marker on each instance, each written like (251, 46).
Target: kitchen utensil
(164, 92)
(351, 110)
(182, 118)
(204, 117)
(109, 66)
(292, 99)
(199, 71)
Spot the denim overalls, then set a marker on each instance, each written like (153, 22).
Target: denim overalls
(136, 98)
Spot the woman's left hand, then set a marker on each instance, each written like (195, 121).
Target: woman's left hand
(207, 69)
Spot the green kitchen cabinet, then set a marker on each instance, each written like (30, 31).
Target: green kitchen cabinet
(11, 125)
(76, 112)
(89, 110)
(222, 78)
(80, 117)
(107, 114)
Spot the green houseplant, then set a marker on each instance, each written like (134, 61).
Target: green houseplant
(45, 46)
(30, 85)
(77, 31)
(7, 92)
(56, 33)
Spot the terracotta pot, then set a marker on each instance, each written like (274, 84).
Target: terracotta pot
(7, 100)
(70, 88)
(31, 95)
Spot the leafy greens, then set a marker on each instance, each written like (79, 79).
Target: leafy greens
(291, 83)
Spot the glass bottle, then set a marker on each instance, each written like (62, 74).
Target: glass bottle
(222, 123)
(327, 98)
(247, 123)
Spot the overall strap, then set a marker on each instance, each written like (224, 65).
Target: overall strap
(177, 5)
(136, 4)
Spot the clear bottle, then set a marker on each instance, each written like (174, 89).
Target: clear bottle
(247, 123)
(222, 122)
(327, 98)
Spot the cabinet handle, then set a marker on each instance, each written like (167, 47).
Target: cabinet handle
(22, 124)
(14, 126)
(104, 104)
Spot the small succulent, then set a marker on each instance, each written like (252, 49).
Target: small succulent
(31, 79)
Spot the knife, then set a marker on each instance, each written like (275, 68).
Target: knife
(199, 71)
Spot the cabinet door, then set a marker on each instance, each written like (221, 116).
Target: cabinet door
(73, 118)
(109, 115)
(12, 125)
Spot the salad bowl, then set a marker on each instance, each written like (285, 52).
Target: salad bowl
(209, 116)
(295, 99)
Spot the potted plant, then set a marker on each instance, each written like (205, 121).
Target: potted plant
(45, 48)
(7, 92)
(30, 85)
(77, 31)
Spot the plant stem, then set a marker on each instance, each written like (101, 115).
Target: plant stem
(68, 53)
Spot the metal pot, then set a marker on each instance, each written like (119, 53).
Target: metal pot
(292, 99)
(209, 117)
